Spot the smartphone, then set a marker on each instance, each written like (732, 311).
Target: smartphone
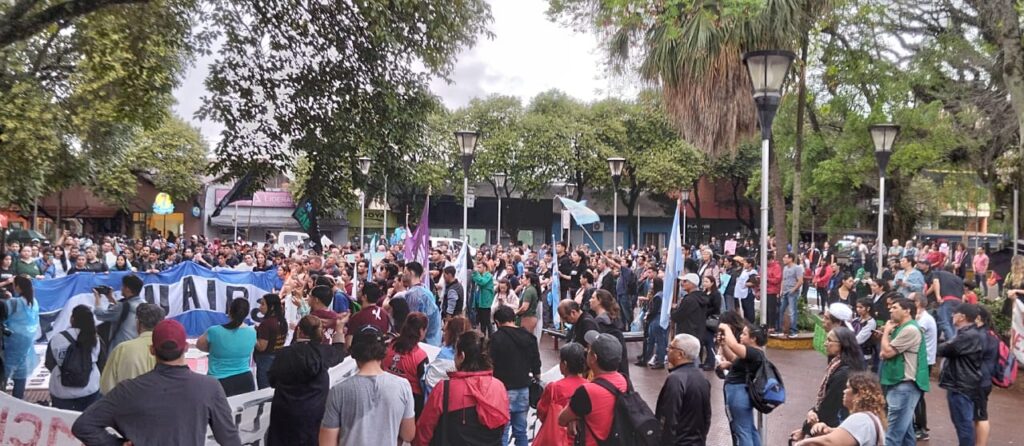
(103, 289)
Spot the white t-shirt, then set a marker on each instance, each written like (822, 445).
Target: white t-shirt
(863, 428)
(931, 334)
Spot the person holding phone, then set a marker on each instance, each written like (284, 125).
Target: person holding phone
(119, 315)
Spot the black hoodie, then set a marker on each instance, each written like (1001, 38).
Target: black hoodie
(515, 355)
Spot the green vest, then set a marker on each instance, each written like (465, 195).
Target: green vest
(892, 372)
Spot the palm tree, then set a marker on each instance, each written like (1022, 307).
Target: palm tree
(694, 55)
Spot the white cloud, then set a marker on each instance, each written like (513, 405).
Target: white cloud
(528, 55)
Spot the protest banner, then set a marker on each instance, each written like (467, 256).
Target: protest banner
(186, 288)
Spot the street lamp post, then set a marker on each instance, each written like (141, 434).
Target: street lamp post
(616, 164)
(467, 143)
(499, 185)
(686, 199)
(570, 191)
(364, 167)
(883, 135)
(767, 70)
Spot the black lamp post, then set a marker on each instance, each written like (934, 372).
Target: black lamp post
(499, 185)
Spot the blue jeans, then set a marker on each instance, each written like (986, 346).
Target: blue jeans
(902, 399)
(741, 416)
(626, 310)
(961, 411)
(263, 363)
(944, 319)
(518, 407)
(659, 342)
(788, 302)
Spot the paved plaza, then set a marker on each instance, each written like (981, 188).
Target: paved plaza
(802, 371)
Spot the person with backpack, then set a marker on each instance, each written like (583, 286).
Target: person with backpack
(592, 407)
(469, 408)
(962, 374)
(684, 403)
(74, 360)
(742, 358)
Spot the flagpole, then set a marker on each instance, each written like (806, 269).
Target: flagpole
(385, 223)
(234, 222)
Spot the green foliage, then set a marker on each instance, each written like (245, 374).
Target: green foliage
(331, 81)
(76, 94)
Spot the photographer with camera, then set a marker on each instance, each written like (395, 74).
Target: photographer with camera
(118, 318)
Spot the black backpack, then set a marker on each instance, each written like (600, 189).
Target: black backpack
(633, 422)
(766, 388)
(76, 367)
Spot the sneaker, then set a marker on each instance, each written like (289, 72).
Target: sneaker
(792, 336)
(922, 436)
(640, 363)
(657, 366)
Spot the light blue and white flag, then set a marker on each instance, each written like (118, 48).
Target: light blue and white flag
(556, 288)
(580, 212)
(191, 294)
(673, 266)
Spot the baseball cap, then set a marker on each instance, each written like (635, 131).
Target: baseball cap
(692, 278)
(169, 335)
(606, 347)
(840, 311)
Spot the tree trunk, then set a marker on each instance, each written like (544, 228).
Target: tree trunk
(749, 222)
(798, 148)
(778, 203)
(1002, 20)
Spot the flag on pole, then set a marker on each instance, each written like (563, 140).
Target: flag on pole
(673, 266)
(556, 289)
(580, 211)
(417, 247)
(240, 191)
(374, 242)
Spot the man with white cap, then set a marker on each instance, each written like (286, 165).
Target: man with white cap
(594, 402)
(691, 311)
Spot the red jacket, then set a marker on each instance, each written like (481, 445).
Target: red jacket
(774, 277)
(822, 276)
(469, 390)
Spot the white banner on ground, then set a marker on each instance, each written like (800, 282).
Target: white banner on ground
(27, 424)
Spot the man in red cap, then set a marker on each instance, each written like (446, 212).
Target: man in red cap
(170, 405)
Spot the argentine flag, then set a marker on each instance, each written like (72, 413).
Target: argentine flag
(673, 266)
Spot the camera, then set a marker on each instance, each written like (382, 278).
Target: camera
(103, 289)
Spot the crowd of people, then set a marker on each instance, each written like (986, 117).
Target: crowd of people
(884, 335)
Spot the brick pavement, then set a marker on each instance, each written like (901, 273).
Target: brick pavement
(802, 371)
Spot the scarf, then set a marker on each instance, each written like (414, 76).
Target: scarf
(832, 366)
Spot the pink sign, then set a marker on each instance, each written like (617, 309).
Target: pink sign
(262, 199)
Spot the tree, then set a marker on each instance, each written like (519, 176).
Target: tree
(76, 91)
(329, 82)
(526, 147)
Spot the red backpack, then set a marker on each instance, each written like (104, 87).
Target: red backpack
(1005, 372)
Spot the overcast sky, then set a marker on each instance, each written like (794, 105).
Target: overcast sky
(527, 55)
